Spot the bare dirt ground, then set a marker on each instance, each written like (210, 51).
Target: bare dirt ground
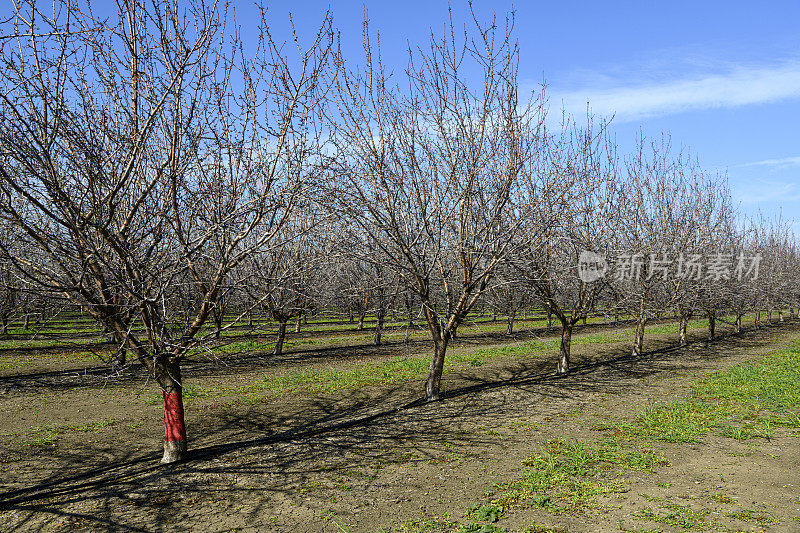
(82, 454)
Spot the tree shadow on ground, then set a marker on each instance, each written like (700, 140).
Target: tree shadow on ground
(301, 439)
(134, 372)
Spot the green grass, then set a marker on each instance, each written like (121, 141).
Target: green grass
(569, 475)
(47, 434)
(676, 515)
(748, 400)
(325, 379)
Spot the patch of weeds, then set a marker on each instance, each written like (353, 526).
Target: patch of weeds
(745, 402)
(339, 526)
(748, 431)
(751, 515)
(45, 438)
(480, 528)
(675, 515)
(664, 484)
(305, 488)
(534, 528)
(48, 435)
(574, 473)
(720, 498)
(678, 422)
(487, 513)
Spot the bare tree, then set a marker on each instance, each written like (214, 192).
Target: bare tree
(285, 274)
(430, 168)
(575, 204)
(132, 154)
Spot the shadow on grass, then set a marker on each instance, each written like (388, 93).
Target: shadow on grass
(247, 360)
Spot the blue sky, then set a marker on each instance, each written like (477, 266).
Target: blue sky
(723, 78)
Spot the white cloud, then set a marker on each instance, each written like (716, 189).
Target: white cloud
(738, 86)
(771, 191)
(782, 162)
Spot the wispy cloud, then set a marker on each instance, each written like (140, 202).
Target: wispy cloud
(770, 191)
(781, 162)
(738, 86)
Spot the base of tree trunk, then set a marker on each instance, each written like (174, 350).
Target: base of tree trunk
(174, 451)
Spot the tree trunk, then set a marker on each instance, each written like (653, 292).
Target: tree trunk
(119, 359)
(510, 326)
(638, 341)
(757, 320)
(712, 325)
(281, 337)
(217, 324)
(4, 320)
(641, 321)
(350, 315)
(549, 319)
(361, 322)
(250, 319)
(378, 327)
(682, 329)
(298, 322)
(434, 381)
(566, 346)
(780, 316)
(27, 320)
(738, 324)
(169, 378)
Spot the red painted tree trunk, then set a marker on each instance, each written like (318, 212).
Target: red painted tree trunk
(169, 378)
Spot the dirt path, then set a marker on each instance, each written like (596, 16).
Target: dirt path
(379, 460)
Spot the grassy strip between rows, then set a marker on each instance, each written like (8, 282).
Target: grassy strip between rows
(234, 347)
(324, 379)
(748, 401)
